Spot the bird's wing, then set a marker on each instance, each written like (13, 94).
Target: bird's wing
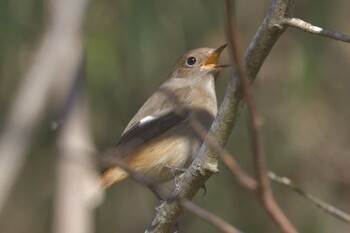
(149, 128)
(144, 130)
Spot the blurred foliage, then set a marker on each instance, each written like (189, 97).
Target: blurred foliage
(302, 93)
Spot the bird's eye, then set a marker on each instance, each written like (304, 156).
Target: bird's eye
(191, 61)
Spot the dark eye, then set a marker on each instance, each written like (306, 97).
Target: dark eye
(191, 61)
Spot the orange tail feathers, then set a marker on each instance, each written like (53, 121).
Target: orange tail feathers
(113, 175)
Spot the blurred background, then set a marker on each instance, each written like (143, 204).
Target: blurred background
(302, 94)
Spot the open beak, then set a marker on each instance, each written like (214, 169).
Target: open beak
(213, 58)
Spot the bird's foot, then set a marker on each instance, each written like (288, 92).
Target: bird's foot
(156, 194)
(204, 189)
(176, 228)
(177, 171)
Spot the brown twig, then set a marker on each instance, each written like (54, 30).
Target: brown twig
(163, 191)
(258, 153)
(264, 192)
(314, 200)
(308, 27)
(241, 176)
(209, 217)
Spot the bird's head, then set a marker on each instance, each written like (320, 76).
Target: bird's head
(198, 62)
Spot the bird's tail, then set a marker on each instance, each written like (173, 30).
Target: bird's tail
(113, 175)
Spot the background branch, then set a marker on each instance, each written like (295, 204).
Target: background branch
(240, 175)
(208, 216)
(255, 125)
(314, 200)
(308, 27)
(60, 39)
(78, 190)
(263, 191)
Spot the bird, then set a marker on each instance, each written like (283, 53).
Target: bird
(160, 137)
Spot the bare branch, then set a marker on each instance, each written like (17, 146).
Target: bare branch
(240, 175)
(308, 27)
(208, 216)
(66, 19)
(78, 190)
(189, 205)
(205, 163)
(264, 192)
(258, 153)
(77, 186)
(314, 200)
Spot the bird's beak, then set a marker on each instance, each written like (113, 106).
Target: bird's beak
(212, 60)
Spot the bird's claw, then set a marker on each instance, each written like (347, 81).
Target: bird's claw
(176, 228)
(155, 193)
(204, 190)
(177, 172)
(180, 170)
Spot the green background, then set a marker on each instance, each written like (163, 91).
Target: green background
(302, 94)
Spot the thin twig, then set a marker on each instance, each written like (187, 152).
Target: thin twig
(314, 200)
(164, 191)
(208, 216)
(258, 153)
(264, 192)
(241, 176)
(308, 27)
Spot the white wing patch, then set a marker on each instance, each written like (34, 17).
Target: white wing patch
(146, 119)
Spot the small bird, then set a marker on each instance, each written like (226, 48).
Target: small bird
(159, 137)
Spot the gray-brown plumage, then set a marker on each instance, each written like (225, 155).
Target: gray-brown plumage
(159, 135)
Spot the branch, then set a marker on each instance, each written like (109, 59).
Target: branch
(308, 27)
(241, 176)
(164, 191)
(314, 200)
(263, 191)
(208, 216)
(258, 153)
(65, 20)
(205, 163)
(78, 191)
